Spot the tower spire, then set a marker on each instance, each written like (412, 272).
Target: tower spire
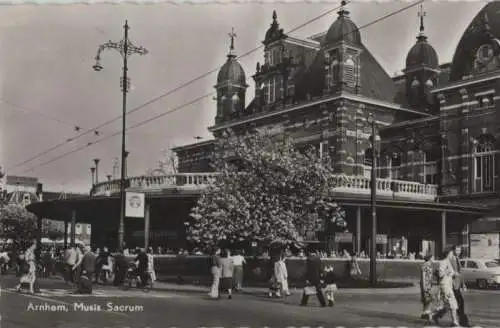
(343, 11)
(421, 15)
(232, 35)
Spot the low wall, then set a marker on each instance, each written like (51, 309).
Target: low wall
(257, 270)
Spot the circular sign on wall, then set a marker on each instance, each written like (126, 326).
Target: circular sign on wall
(134, 201)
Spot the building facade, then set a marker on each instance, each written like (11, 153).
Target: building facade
(437, 121)
(437, 162)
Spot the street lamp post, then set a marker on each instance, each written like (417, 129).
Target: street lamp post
(126, 49)
(92, 171)
(96, 161)
(373, 189)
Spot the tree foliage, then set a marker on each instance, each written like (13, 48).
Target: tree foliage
(18, 224)
(267, 191)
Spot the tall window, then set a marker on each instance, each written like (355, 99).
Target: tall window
(349, 72)
(484, 167)
(273, 88)
(395, 166)
(234, 103)
(429, 168)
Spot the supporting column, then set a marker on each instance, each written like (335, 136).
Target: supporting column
(38, 250)
(358, 230)
(73, 228)
(65, 234)
(146, 225)
(443, 232)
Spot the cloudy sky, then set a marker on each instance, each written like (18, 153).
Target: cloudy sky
(48, 86)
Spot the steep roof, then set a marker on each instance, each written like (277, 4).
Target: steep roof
(375, 82)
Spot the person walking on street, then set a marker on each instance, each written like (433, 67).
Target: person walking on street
(227, 269)
(446, 276)
(120, 268)
(70, 259)
(427, 295)
(151, 264)
(29, 271)
(216, 273)
(238, 261)
(142, 266)
(87, 267)
(459, 286)
(281, 276)
(314, 269)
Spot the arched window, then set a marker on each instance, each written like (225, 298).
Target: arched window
(395, 165)
(234, 103)
(429, 83)
(484, 167)
(415, 83)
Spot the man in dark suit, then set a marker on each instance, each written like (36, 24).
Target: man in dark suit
(142, 266)
(314, 270)
(459, 286)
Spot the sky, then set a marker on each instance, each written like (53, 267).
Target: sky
(48, 86)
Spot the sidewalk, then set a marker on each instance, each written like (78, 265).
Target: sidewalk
(165, 286)
(191, 288)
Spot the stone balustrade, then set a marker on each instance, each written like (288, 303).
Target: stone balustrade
(181, 181)
(349, 184)
(397, 189)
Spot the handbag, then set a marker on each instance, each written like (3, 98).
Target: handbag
(309, 290)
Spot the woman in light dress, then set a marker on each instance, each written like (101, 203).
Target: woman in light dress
(281, 276)
(446, 274)
(151, 264)
(29, 275)
(428, 292)
(238, 261)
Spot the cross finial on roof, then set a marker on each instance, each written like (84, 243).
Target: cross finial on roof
(422, 14)
(232, 35)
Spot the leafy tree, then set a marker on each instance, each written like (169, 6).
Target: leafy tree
(18, 224)
(267, 191)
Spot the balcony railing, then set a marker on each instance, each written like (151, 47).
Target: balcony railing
(180, 181)
(349, 184)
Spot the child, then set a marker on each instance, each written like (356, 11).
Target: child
(330, 286)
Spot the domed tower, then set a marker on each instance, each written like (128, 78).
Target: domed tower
(342, 48)
(422, 70)
(478, 51)
(231, 87)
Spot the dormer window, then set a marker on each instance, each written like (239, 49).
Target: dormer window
(415, 83)
(429, 83)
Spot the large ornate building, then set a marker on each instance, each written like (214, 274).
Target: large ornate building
(437, 121)
(438, 159)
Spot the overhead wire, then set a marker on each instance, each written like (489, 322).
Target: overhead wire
(204, 96)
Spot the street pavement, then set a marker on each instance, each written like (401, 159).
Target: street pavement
(188, 306)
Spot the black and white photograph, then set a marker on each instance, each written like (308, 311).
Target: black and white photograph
(249, 164)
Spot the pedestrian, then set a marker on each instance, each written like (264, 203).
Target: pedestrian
(313, 279)
(28, 269)
(281, 276)
(427, 295)
(216, 273)
(238, 261)
(354, 270)
(142, 266)
(227, 268)
(84, 283)
(120, 268)
(76, 270)
(330, 285)
(70, 259)
(446, 276)
(151, 265)
(459, 286)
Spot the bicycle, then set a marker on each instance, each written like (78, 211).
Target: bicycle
(133, 279)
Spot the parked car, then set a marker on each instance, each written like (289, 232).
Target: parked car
(481, 272)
